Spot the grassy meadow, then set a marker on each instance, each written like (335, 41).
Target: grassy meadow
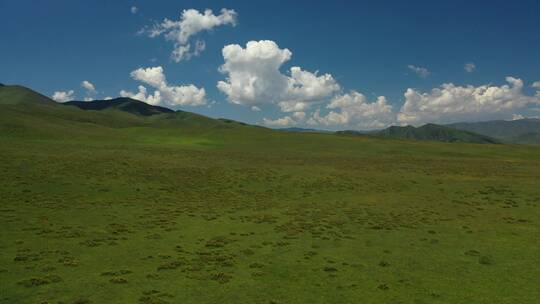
(114, 208)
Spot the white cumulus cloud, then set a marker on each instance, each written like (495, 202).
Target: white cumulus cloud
(153, 76)
(280, 122)
(63, 96)
(305, 88)
(134, 9)
(420, 71)
(254, 77)
(451, 103)
(142, 95)
(354, 111)
(191, 23)
(445, 104)
(184, 95)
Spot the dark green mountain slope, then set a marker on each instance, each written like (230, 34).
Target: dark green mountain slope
(123, 104)
(516, 131)
(434, 132)
(155, 115)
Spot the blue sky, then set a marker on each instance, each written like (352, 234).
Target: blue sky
(402, 51)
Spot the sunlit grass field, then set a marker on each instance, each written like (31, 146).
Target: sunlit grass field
(146, 214)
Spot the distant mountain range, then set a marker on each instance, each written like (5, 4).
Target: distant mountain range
(303, 130)
(521, 131)
(431, 132)
(24, 102)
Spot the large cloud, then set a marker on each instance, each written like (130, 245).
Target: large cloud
(305, 87)
(446, 104)
(184, 95)
(352, 110)
(253, 75)
(191, 23)
(451, 103)
(63, 96)
(254, 78)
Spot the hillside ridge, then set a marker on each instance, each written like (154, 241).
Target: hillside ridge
(125, 104)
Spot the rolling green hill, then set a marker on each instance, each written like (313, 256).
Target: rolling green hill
(28, 113)
(530, 138)
(112, 206)
(18, 94)
(430, 132)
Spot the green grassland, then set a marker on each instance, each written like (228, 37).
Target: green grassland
(110, 207)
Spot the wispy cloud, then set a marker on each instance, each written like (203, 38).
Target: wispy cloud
(191, 23)
(90, 88)
(470, 67)
(420, 71)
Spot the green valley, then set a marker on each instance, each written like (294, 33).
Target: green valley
(123, 205)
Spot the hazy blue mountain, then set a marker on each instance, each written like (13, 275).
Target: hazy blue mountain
(431, 132)
(526, 131)
(303, 130)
